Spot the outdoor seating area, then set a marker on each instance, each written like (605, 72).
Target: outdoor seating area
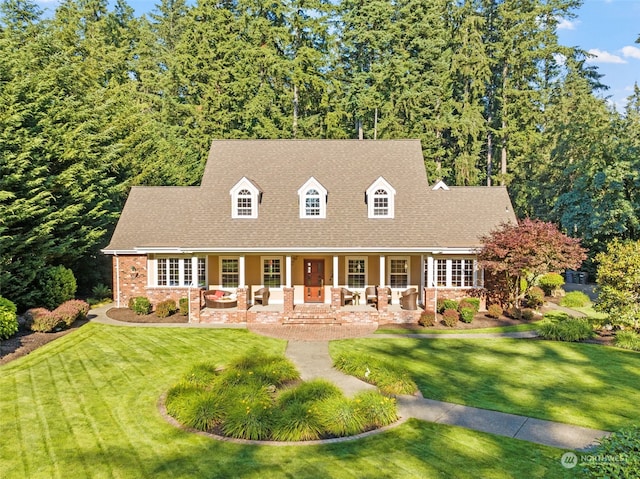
(219, 299)
(261, 296)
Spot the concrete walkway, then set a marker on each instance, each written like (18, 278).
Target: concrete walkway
(312, 359)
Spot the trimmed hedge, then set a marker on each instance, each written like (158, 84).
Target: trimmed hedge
(140, 305)
(45, 321)
(184, 306)
(550, 282)
(450, 317)
(56, 285)
(166, 308)
(575, 299)
(495, 311)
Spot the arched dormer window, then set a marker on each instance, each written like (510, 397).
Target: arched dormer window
(381, 199)
(313, 200)
(245, 197)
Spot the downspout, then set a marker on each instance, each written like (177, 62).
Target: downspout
(117, 280)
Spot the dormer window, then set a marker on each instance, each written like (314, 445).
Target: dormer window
(245, 197)
(381, 199)
(313, 200)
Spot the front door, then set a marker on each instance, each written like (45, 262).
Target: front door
(314, 281)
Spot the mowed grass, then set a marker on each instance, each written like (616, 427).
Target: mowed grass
(583, 384)
(86, 406)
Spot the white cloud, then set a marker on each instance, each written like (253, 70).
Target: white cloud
(631, 52)
(601, 56)
(564, 24)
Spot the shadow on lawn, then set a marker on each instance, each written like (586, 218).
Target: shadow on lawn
(565, 382)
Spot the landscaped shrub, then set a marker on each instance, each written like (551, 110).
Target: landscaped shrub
(449, 304)
(575, 299)
(184, 306)
(387, 377)
(450, 317)
(616, 456)
(140, 305)
(494, 311)
(8, 318)
(56, 285)
(514, 312)
(535, 297)
(467, 314)
(426, 319)
(166, 308)
(470, 303)
(527, 314)
(551, 282)
(250, 414)
(570, 329)
(42, 320)
(45, 321)
(628, 339)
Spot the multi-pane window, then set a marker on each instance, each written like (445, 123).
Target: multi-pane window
(398, 272)
(356, 273)
(229, 272)
(381, 203)
(460, 274)
(312, 203)
(179, 272)
(441, 272)
(272, 272)
(244, 203)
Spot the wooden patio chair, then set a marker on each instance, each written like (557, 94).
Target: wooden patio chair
(409, 299)
(371, 295)
(346, 296)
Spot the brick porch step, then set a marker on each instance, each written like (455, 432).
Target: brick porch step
(312, 320)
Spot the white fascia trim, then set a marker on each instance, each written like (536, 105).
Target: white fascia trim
(314, 249)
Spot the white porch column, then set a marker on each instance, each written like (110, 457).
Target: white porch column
(287, 271)
(430, 272)
(382, 270)
(335, 271)
(241, 275)
(194, 272)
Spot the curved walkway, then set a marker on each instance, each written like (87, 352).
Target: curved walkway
(310, 353)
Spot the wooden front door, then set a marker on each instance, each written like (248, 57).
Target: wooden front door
(314, 281)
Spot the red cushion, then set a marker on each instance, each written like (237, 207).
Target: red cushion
(219, 294)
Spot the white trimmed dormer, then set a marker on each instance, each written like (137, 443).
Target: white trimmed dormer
(245, 197)
(381, 199)
(312, 199)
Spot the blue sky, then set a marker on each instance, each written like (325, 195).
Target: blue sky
(607, 29)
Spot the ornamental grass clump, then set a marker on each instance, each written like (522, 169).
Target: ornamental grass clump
(388, 378)
(256, 397)
(628, 339)
(569, 329)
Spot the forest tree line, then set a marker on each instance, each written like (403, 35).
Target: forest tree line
(94, 99)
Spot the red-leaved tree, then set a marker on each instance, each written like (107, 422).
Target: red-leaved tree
(526, 251)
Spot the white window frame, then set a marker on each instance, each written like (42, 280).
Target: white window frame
(390, 273)
(373, 192)
(303, 194)
(254, 194)
(348, 274)
(221, 260)
(262, 273)
(164, 263)
(476, 274)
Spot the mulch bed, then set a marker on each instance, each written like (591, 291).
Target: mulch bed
(26, 341)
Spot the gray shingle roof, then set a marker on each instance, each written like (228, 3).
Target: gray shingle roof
(199, 218)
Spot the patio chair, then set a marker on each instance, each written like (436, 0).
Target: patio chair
(409, 299)
(346, 296)
(261, 296)
(371, 294)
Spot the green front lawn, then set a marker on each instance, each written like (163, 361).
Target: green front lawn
(86, 405)
(583, 384)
